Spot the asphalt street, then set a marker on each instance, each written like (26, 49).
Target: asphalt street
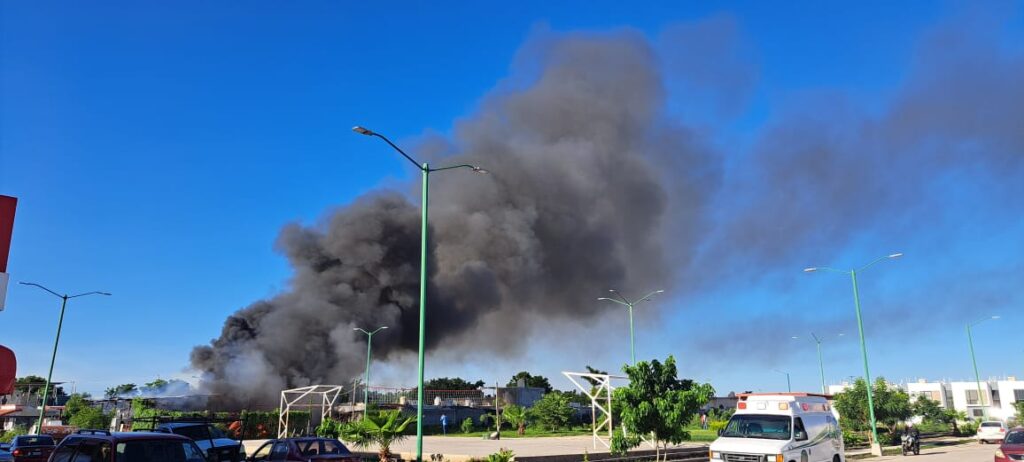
(972, 452)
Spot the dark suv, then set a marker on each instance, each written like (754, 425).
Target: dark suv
(31, 448)
(104, 446)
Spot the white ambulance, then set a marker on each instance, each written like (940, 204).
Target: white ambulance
(781, 427)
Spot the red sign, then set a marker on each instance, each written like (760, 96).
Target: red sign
(8, 370)
(7, 206)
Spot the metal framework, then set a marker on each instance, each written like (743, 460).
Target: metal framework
(600, 400)
(294, 397)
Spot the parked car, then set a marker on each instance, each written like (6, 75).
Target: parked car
(208, 437)
(1012, 448)
(104, 446)
(5, 454)
(32, 448)
(307, 449)
(992, 431)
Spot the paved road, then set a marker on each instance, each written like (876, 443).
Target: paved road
(972, 452)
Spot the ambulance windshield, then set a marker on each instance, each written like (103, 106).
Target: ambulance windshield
(768, 427)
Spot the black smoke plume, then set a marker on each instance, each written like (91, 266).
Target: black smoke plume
(574, 206)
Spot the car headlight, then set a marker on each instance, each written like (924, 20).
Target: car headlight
(999, 454)
(715, 454)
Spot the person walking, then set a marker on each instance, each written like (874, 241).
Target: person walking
(703, 421)
(444, 424)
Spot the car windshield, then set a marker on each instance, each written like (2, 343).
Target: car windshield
(1014, 438)
(41, 440)
(769, 427)
(991, 424)
(216, 432)
(158, 451)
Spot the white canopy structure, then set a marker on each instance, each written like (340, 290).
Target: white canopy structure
(600, 395)
(311, 397)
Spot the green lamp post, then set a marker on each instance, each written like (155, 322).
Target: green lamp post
(60, 323)
(977, 377)
(821, 365)
(425, 170)
(630, 304)
(366, 384)
(876, 447)
(789, 384)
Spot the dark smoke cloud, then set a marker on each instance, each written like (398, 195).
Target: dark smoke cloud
(574, 206)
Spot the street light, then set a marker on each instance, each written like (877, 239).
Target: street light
(860, 330)
(789, 385)
(425, 170)
(60, 322)
(366, 385)
(630, 304)
(821, 365)
(977, 377)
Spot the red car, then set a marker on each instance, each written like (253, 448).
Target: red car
(309, 449)
(32, 448)
(1012, 448)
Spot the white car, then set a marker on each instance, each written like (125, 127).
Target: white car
(992, 431)
(780, 427)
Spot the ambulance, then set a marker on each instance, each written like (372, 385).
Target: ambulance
(781, 427)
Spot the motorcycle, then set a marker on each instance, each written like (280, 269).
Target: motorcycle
(910, 443)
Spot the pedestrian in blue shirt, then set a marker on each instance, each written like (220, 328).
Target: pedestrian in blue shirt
(444, 424)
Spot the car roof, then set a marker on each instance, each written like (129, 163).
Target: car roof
(129, 436)
(181, 424)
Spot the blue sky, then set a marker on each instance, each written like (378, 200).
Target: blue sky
(157, 150)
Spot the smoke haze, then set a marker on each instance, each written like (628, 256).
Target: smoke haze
(595, 186)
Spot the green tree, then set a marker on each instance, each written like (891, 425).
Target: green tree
(516, 417)
(382, 429)
(535, 381)
(892, 405)
(453, 383)
(125, 389)
(657, 403)
(929, 410)
(90, 417)
(552, 411)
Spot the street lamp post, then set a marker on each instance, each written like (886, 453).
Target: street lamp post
(876, 447)
(789, 385)
(977, 377)
(60, 323)
(425, 170)
(821, 364)
(630, 304)
(366, 384)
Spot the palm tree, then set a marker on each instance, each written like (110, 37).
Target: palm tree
(382, 429)
(516, 417)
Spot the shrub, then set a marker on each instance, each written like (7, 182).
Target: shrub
(467, 425)
(503, 455)
(852, 438)
(18, 430)
(717, 425)
(968, 429)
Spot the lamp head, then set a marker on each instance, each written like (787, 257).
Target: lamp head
(383, 327)
(896, 255)
(996, 317)
(810, 270)
(480, 170)
(362, 130)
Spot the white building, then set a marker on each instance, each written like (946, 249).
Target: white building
(935, 391)
(996, 400)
